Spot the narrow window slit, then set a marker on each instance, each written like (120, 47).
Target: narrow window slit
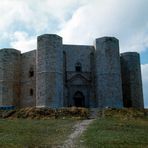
(31, 92)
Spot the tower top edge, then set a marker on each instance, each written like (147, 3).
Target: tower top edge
(49, 36)
(10, 49)
(105, 38)
(129, 54)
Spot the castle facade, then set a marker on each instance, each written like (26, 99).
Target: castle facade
(57, 75)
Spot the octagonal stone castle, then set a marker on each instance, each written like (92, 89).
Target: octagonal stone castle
(57, 75)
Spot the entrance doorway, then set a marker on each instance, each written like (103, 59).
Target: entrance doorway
(79, 99)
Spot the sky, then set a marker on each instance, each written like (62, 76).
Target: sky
(78, 22)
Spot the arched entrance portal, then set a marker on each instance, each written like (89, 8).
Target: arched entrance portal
(79, 99)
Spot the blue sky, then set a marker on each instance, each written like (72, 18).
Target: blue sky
(78, 22)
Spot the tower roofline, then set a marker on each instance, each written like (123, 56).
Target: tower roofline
(10, 49)
(48, 36)
(129, 53)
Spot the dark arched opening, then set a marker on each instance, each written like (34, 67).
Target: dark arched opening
(31, 72)
(79, 99)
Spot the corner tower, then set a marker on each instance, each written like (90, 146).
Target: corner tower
(49, 71)
(131, 80)
(108, 75)
(9, 77)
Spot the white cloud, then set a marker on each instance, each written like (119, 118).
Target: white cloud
(34, 17)
(36, 14)
(126, 20)
(144, 69)
(79, 21)
(22, 41)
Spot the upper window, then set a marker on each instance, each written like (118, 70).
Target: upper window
(78, 67)
(31, 72)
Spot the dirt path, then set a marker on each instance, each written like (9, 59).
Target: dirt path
(78, 130)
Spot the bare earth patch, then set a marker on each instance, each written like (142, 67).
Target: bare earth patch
(79, 128)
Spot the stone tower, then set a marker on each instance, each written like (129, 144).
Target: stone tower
(9, 77)
(49, 82)
(131, 80)
(108, 74)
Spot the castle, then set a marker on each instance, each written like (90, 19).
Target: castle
(57, 75)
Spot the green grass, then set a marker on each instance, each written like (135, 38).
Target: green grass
(116, 133)
(32, 133)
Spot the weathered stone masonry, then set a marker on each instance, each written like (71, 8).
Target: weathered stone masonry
(57, 75)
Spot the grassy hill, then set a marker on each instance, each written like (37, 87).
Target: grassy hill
(121, 128)
(30, 133)
(126, 128)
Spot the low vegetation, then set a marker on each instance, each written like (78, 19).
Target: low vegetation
(20, 133)
(114, 128)
(38, 127)
(127, 128)
(126, 113)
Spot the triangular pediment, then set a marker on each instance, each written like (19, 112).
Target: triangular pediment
(78, 79)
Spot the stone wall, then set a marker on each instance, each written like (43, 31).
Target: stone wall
(78, 53)
(56, 75)
(28, 79)
(79, 80)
